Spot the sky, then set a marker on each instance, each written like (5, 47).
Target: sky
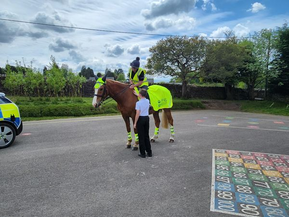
(100, 34)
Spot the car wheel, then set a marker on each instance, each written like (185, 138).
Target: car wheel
(7, 135)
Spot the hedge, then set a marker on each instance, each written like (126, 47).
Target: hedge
(83, 109)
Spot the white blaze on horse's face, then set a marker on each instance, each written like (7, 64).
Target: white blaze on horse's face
(94, 98)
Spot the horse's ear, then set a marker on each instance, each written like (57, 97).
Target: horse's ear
(104, 77)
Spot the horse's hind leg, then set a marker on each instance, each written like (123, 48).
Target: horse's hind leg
(171, 122)
(157, 126)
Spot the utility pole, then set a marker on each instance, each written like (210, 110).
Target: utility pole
(267, 64)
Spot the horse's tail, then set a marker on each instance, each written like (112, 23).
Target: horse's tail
(165, 122)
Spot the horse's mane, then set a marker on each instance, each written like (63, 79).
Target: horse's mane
(116, 82)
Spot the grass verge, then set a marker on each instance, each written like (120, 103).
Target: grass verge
(265, 107)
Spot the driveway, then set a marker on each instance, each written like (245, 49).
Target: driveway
(80, 166)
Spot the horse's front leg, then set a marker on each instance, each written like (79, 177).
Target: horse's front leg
(157, 126)
(127, 124)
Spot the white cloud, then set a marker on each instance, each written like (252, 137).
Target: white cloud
(9, 31)
(135, 49)
(214, 8)
(256, 7)
(51, 20)
(166, 7)
(60, 45)
(98, 65)
(159, 23)
(203, 35)
(164, 17)
(76, 56)
(187, 23)
(241, 31)
(209, 3)
(220, 32)
(65, 2)
(114, 50)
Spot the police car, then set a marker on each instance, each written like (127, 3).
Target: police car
(10, 121)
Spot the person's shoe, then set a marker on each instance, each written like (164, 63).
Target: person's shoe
(142, 155)
(150, 154)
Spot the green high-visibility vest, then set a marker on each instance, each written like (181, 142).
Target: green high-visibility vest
(98, 83)
(135, 79)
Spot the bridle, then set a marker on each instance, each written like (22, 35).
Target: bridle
(107, 97)
(102, 96)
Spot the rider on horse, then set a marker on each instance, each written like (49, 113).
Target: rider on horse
(137, 75)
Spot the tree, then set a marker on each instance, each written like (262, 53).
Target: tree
(33, 82)
(2, 71)
(250, 71)
(55, 78)
(223, 59)
(119, 75)
(14, 80)
(109, 73)
(86, 72)
(264, 43)
(74, 83)
(178, 56)
(118, 71)
(280, 83)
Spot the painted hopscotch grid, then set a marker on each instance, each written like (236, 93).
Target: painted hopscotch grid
(250, 183)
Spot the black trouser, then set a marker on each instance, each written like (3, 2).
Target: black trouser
(143, 125)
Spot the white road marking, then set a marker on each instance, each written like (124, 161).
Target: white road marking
(206, 125)
(70, 120)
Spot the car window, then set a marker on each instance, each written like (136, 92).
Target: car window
(4, 100)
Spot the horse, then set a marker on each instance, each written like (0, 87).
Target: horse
(126, 101)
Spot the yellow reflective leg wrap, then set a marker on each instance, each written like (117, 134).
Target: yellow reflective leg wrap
(129, 136)
(172, 130)
(156, 131)
(136, 137)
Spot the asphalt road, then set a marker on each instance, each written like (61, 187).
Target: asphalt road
(80, 167)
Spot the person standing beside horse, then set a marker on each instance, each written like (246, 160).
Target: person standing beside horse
(137, 75)
(142, 123)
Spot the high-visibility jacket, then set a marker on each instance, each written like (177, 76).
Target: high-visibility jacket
(98, 83)
(135, 78)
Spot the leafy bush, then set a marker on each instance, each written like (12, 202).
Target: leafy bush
(180, 104)
(64, 110)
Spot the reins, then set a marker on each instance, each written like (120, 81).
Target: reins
(109, 97)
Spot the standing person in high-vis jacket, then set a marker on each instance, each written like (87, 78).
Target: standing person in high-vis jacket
(97, 85)
(99, 81)
(137, 76)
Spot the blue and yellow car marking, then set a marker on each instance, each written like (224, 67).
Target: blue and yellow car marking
(10, 112)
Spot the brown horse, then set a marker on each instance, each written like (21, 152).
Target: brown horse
(126, 101)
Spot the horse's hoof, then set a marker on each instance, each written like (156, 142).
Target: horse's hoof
(135, 148)
(152, 140)
(128, 146)
(171, 140)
